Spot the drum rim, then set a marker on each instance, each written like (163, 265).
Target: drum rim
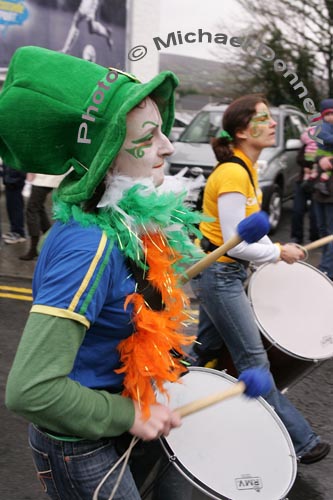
(197, 482)
(263, 329)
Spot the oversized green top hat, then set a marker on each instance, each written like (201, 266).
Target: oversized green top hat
(59, 111)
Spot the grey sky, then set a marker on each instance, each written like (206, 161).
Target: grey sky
(224, 16)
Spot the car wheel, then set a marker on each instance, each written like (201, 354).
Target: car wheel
(274, 208)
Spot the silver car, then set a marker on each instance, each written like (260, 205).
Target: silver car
(277, 166)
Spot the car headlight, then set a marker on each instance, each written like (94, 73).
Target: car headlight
(262, 166)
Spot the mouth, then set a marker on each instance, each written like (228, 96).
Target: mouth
(160, 165)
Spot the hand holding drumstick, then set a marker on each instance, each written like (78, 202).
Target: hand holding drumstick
(292, 252)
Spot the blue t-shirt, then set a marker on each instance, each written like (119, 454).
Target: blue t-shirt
(81, 275)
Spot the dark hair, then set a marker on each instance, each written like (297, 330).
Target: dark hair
(236, 118)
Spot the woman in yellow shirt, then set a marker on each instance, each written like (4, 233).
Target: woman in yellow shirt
(231, 194)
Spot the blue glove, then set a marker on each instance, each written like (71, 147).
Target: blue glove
(258, 381)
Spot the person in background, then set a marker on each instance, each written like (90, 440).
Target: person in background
(14, 183)
(323, 196)
(322, 175)
(302, 202)
(225, 314)
(37, 219)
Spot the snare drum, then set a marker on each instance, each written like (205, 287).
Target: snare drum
(292, 305)
(237, 449)
(292, 308)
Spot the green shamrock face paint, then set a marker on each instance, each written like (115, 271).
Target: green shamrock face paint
(143, 142)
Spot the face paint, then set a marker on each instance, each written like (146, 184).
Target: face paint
(254, 130)
(262, 118)
(145, 147)
(143, 142)
(260, 131)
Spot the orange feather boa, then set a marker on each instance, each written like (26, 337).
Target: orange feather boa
(145, 355)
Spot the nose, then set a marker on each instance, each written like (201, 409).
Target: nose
(166, 148)
(273, 123)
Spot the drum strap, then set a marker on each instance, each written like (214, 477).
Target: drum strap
(239, 161)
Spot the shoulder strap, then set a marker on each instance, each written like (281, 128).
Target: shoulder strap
(235, 159)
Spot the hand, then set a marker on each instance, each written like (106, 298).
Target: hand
(325, 163)
(160, 422)
(291, 253)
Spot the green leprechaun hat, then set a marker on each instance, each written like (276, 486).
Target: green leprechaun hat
(58, 111)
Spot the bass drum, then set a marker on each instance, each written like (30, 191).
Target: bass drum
(292, 306)
(237, 449)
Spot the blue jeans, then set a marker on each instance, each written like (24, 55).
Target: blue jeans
(15, 207)
(303, 203)
(73, 470)
(324, 215)
(226, 318)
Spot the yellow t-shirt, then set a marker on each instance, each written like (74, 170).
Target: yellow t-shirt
(229, 178)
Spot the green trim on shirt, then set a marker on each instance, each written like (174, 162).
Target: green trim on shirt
(90, 294)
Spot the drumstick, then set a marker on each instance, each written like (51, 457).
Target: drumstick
(253, 382)
(200, 404)
(250, 229)
(319, 243)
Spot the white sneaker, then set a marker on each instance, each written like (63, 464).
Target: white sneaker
(12, 238)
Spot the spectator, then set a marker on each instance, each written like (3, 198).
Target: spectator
(323, 200)
(303, 191)
(38, 221)
(14, 184)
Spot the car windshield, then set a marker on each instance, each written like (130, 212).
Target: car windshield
(205, 126)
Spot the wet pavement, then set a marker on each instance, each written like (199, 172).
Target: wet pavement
(312, 394)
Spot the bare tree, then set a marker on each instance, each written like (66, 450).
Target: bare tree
(304, 25)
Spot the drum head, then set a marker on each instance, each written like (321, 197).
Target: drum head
(292, 305)
(237, 449)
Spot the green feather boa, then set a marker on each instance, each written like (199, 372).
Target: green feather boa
(148, 211)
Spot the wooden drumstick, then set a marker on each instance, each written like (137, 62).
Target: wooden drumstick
(250, 229)
(200, 404)
(319, 243)
(314, 244)
(254, 382)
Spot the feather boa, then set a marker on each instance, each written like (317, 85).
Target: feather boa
(139, 211)
(145, 355)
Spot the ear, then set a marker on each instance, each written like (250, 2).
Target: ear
(242, 135)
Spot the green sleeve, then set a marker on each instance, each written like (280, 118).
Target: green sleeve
(38, 387)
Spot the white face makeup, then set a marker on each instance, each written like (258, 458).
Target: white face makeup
(145, 147)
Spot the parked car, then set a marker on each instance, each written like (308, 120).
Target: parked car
(277, 166)
(182, 119)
